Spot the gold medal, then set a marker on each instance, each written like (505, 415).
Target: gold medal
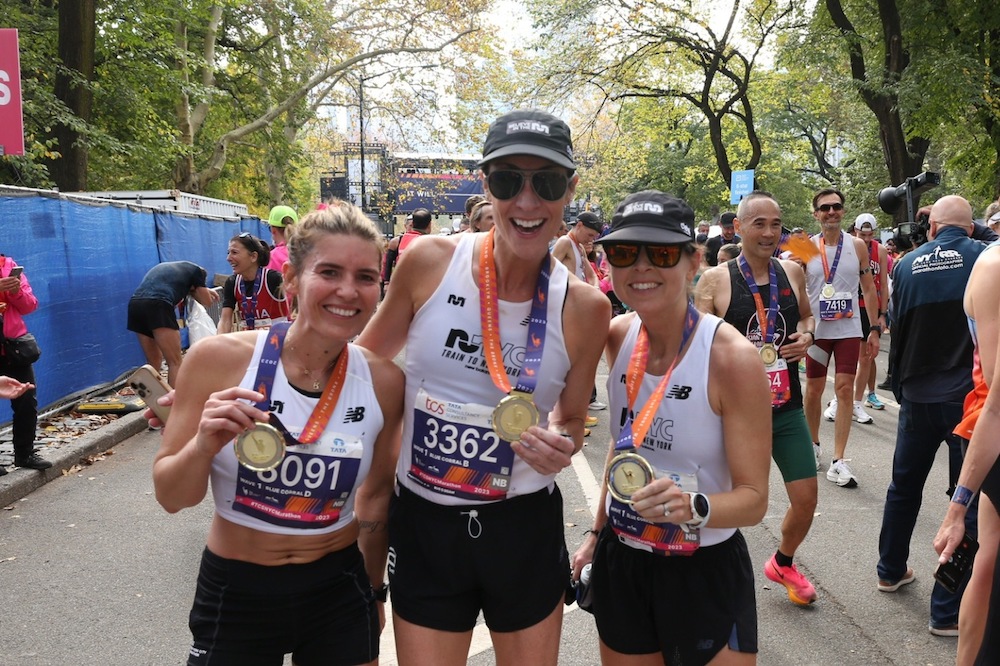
(513, 415)
(828, 290)
(627, 472)
(260, 449)
(768, 354)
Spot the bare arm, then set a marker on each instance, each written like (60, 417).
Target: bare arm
(799, 342)
(226, 320)
(705, 292)
(208, 411)
(376, 491)
(585, 324)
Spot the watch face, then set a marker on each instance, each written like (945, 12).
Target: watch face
(701, 505)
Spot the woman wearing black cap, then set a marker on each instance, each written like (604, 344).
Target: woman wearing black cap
(671, 573)
(501, 351)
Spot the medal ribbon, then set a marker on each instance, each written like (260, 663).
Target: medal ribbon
(264, 381)
(631, 436)
(489, 316)
(767, 320)
(830, 271)
(250, 299)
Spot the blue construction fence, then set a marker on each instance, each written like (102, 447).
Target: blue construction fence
(83, 260)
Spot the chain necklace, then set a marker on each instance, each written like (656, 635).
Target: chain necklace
(317, 384)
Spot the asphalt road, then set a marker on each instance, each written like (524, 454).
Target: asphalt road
(93, 571)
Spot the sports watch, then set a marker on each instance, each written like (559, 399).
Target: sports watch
(700, 509)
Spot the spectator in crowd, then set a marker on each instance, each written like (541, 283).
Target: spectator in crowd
(253, 291)
(279, 220)
(728, 235)
(151, 310)
(979, 615)
(704, 437)
(16, 301)
(932, 373)
(572, 249)
(419, 224)
(703, 229)
(865, 228)
(482, 217)
(727, 252)
(301, 497)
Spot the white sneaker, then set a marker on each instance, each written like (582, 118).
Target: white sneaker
(597, 406)
(841, 474)
(819, 466)
(830, 414)
(860, 415)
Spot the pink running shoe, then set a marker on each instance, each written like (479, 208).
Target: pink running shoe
(800, 590)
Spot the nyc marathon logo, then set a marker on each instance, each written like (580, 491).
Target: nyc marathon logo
(939, 259)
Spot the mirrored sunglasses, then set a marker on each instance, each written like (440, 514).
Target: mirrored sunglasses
(550, 185)
(622, 255)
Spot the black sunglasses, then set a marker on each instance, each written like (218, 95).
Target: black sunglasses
(621, 255)
(550, 185)
(826, 208)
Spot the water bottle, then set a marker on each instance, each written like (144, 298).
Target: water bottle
(585, 575)
(584, 593)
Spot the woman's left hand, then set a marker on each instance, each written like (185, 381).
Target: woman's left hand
(547, 452)
(662, 501)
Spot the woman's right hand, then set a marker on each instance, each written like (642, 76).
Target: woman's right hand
(584, 555)
(226, 414)
(166, 401)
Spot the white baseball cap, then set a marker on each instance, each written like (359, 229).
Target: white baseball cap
(865, 218)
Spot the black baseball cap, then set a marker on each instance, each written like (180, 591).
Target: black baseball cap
(529, 132)
(590, 220)
(727, 220)
(651, 218)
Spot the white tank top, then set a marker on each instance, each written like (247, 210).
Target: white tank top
(686, 435)
(450, 454)
(845, 282)
(579, 259)
(312, 490)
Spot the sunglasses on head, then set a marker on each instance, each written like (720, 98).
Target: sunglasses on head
(550, 185)
(826, 208)
(622, 255)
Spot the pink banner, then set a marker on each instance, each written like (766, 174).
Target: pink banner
(11, 119)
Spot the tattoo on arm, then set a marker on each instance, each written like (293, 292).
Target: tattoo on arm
(371, 526)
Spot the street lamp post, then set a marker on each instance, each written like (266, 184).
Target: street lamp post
(361, 127)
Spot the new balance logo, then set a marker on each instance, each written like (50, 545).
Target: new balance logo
(354, 415)
(456, 300)
(679, 392)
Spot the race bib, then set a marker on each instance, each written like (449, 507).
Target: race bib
(455, 451)
(838, 306)
(781, 387)
(308, 489)
(659, 538)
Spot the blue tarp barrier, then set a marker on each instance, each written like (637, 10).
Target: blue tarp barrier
(83, 262)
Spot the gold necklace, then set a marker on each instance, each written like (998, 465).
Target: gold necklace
(317, 383)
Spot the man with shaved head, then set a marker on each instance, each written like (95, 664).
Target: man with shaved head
(932, 372)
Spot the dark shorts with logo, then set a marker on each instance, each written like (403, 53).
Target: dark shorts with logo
(685, 608)
(507, 559)
(322, 612)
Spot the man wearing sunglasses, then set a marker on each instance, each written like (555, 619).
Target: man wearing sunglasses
(490, 322)
(740, 292)
(832, 281)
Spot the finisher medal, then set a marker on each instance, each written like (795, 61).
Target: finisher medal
(828, 291)
(627, 472)
(260, 449)
(513, 415)
(768, 354)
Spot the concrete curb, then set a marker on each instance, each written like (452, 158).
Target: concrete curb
(20, 482)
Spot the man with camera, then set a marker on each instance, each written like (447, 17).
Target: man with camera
(932, 372)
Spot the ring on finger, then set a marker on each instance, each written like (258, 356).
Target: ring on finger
(666, 510)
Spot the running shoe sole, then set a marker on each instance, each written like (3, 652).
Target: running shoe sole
(886, 586)
(772, 573)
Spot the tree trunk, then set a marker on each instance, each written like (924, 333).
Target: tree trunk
(77, 30)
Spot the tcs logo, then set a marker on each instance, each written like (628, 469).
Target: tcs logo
(434, 407)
